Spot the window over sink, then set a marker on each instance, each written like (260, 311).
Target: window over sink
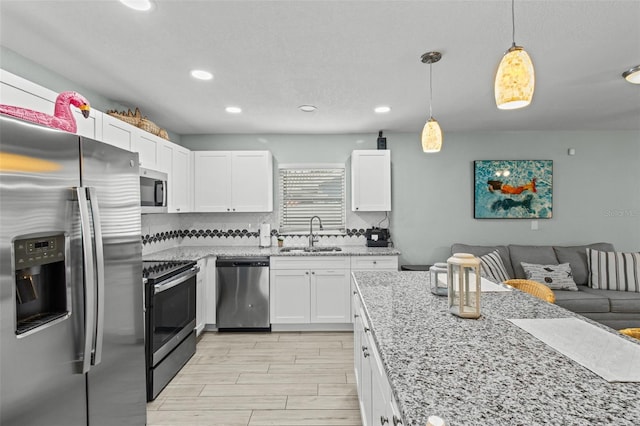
(312, 190)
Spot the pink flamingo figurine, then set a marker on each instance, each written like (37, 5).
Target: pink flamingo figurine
(62, 117)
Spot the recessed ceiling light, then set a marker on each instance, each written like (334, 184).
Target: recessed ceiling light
(307, 108)
(632, 75)
(233, 110)
(382, 109)
(140, 5)
(201, 75)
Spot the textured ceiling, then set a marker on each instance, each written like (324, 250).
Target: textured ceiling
(345, 57)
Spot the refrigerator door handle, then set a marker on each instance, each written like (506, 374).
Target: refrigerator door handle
(89, 279)
(99, 252)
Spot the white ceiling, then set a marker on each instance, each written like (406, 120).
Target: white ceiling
(345, 57)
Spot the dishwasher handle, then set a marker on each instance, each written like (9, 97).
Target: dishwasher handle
(242, 262)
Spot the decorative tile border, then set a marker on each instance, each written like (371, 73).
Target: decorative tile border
(230, 233)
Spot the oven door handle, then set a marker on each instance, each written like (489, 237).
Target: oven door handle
(174, 281)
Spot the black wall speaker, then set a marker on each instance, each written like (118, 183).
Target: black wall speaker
(382, 142)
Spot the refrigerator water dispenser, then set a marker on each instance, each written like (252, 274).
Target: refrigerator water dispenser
(40, 281)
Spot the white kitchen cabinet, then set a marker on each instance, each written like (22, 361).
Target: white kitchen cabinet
(374, 263)
(309, 290)
(371, 180)
(201, 302)
(175, 160)
(233, 181)
(118, 133)
(290, 295)
(377, 404)
(149, 148)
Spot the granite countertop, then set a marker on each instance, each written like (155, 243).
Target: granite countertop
(198, 252)
(485, 371)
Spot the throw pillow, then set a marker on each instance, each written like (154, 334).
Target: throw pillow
(612, 270)
(492, 267)
(556, 277)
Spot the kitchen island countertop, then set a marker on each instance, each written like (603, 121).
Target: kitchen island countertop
(486, 371)
(198, 252)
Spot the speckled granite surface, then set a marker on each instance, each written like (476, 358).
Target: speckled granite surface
(485, 371)
(198, 252)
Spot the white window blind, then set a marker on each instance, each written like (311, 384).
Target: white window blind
(307, 192)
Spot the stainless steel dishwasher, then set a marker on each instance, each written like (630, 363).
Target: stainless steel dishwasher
(242, 294)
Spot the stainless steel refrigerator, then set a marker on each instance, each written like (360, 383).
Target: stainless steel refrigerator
(71, 295)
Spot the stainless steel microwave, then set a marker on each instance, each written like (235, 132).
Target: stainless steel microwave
(153, 191)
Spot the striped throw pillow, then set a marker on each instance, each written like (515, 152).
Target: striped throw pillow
(612, 270)
(492, 267)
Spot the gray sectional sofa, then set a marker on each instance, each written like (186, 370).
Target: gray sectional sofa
(616, 309)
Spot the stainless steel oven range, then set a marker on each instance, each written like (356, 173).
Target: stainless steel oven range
(170, 320)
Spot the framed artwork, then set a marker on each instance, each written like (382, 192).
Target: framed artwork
(513, 189)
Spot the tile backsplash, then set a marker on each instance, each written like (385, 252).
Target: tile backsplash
(164, 231)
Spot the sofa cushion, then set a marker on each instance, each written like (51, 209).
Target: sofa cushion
(611, 270)
(556, 277)
(542, 255)
(577, 257)
(582, 300)
(482, 250)
(492, 267)
(620, 301)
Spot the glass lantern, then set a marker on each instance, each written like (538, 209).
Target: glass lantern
(438, 279)
(463, 281)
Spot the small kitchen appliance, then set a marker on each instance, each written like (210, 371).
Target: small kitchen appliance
(377, 237)
(265, 235)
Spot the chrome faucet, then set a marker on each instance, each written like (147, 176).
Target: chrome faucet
(311, 238)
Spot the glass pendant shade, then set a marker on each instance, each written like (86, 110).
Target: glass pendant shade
(515, 79)
(431, 136)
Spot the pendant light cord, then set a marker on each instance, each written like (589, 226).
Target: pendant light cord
(430, 89)
(513, 23)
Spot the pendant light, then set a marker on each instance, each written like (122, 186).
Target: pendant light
(515, 79)
(431, 133)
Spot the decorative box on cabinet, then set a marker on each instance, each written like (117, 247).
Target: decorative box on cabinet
(371, 180)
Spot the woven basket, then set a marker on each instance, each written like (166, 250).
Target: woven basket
(149, 126)
(132, 118)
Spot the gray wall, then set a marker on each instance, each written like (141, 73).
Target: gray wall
(596, 192)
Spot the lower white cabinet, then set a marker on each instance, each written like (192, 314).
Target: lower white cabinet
(372, 263)
(377, 404)
(307, 290)
(205, 293)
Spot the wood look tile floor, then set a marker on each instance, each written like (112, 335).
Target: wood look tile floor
(252, 379)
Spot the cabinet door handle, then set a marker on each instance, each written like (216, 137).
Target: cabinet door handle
(384, 420)
(306, 273)
(364, 348)
(375, 262)
(366, 329)
(365, 354)
(355, 292)
(396, 421)
(313, 273)
(356, 315)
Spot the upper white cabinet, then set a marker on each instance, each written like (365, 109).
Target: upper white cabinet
(371, 180)
(149, 148)
(175, 160)
(118, 133)
(233, 181)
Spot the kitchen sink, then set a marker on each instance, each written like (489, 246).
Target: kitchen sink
(310, 249)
